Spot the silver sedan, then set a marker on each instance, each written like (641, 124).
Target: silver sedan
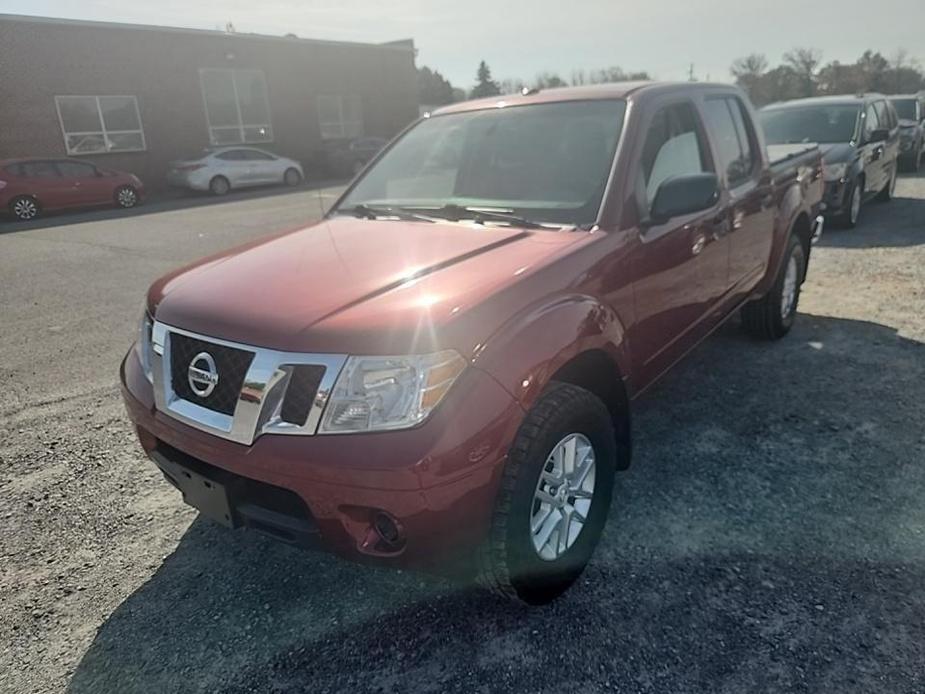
(222, 169)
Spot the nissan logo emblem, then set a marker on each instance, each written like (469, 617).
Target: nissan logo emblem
(202, 374)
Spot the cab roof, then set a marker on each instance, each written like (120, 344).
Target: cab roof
(613, 90)
(834, 100)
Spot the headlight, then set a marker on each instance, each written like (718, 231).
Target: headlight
(380, 393)
(144, 344)
(835, 172)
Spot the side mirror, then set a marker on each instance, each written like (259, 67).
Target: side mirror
(879, 135)
(680, 195)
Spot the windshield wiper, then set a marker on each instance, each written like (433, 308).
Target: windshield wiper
(480, 215)
(375, 211)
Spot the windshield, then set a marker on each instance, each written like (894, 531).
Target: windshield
(823, 124)
(546, 162)
(905, 108)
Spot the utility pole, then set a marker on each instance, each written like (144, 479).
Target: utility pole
(690, 74)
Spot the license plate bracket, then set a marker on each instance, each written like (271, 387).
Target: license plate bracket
(202, 493)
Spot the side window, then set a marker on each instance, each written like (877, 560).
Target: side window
(257, 155)
(885, 114)
(231, 155)
(871, 121)
(38, 169)
(727, 126)
(75, 169)
(673, 147)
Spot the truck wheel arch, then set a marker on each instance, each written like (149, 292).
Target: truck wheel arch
(573, 340)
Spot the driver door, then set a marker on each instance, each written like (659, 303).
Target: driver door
(681, 267)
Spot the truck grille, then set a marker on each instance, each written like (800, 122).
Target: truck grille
(300, 395)
(231, 364)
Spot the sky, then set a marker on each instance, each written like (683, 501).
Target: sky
(522, 38)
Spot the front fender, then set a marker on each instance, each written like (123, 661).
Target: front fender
(525, 353)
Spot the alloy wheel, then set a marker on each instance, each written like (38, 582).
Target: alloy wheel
(563, 496)
(789, 290)
(855, 209)
(25, 209)
(126, 197)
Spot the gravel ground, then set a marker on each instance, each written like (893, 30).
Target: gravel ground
(769, 537)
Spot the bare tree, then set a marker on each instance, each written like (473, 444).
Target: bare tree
(749, 67)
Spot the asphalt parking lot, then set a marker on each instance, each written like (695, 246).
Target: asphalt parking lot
(769, 537)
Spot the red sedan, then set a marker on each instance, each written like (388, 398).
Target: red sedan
(29, 187)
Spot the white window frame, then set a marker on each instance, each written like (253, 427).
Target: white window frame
(341, 123)
(103, 131)
(241, 125)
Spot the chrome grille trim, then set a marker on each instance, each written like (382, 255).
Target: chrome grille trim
(259, 403)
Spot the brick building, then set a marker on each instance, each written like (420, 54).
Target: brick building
(135, 97)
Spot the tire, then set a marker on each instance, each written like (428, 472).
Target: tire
(126, 197)
(889, 190)
(219, 185)
(25, 207)
(292, 177)
(509, 562)
(772, 316)
(849, 218)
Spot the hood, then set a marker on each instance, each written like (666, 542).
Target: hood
(838, 152)
(351, 285)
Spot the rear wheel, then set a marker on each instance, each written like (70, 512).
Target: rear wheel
(292, 177)
(25, 208)
(771, 316)
(889, 190)
(126, 196)
(219, 185)
(554, 498)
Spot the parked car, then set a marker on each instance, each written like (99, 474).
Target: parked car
(859, 137)
(226, 168)
(348, 157)
(444, 366)
(30, 187)
(910, 108)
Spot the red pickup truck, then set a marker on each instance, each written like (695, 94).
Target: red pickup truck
(443, 366)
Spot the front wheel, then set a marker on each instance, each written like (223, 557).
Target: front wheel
(554, 498)
(126, 197)
(292, 177)
(771, 316)
(889, 190)
(851, 215)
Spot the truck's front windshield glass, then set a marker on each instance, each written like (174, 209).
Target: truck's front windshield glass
(905, 108)
(822, 124)
(548, 163)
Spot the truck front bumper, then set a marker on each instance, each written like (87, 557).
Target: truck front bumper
(415, 497)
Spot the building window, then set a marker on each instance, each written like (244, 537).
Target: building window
(97, 124)
(340, 116)
(237, 109)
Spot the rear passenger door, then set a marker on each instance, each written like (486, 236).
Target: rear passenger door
(234, 166)
(679, 267)
(41, 179)
(749, 190)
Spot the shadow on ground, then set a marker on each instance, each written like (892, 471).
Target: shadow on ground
(769, 537)
(172, 200)
(898, 223)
